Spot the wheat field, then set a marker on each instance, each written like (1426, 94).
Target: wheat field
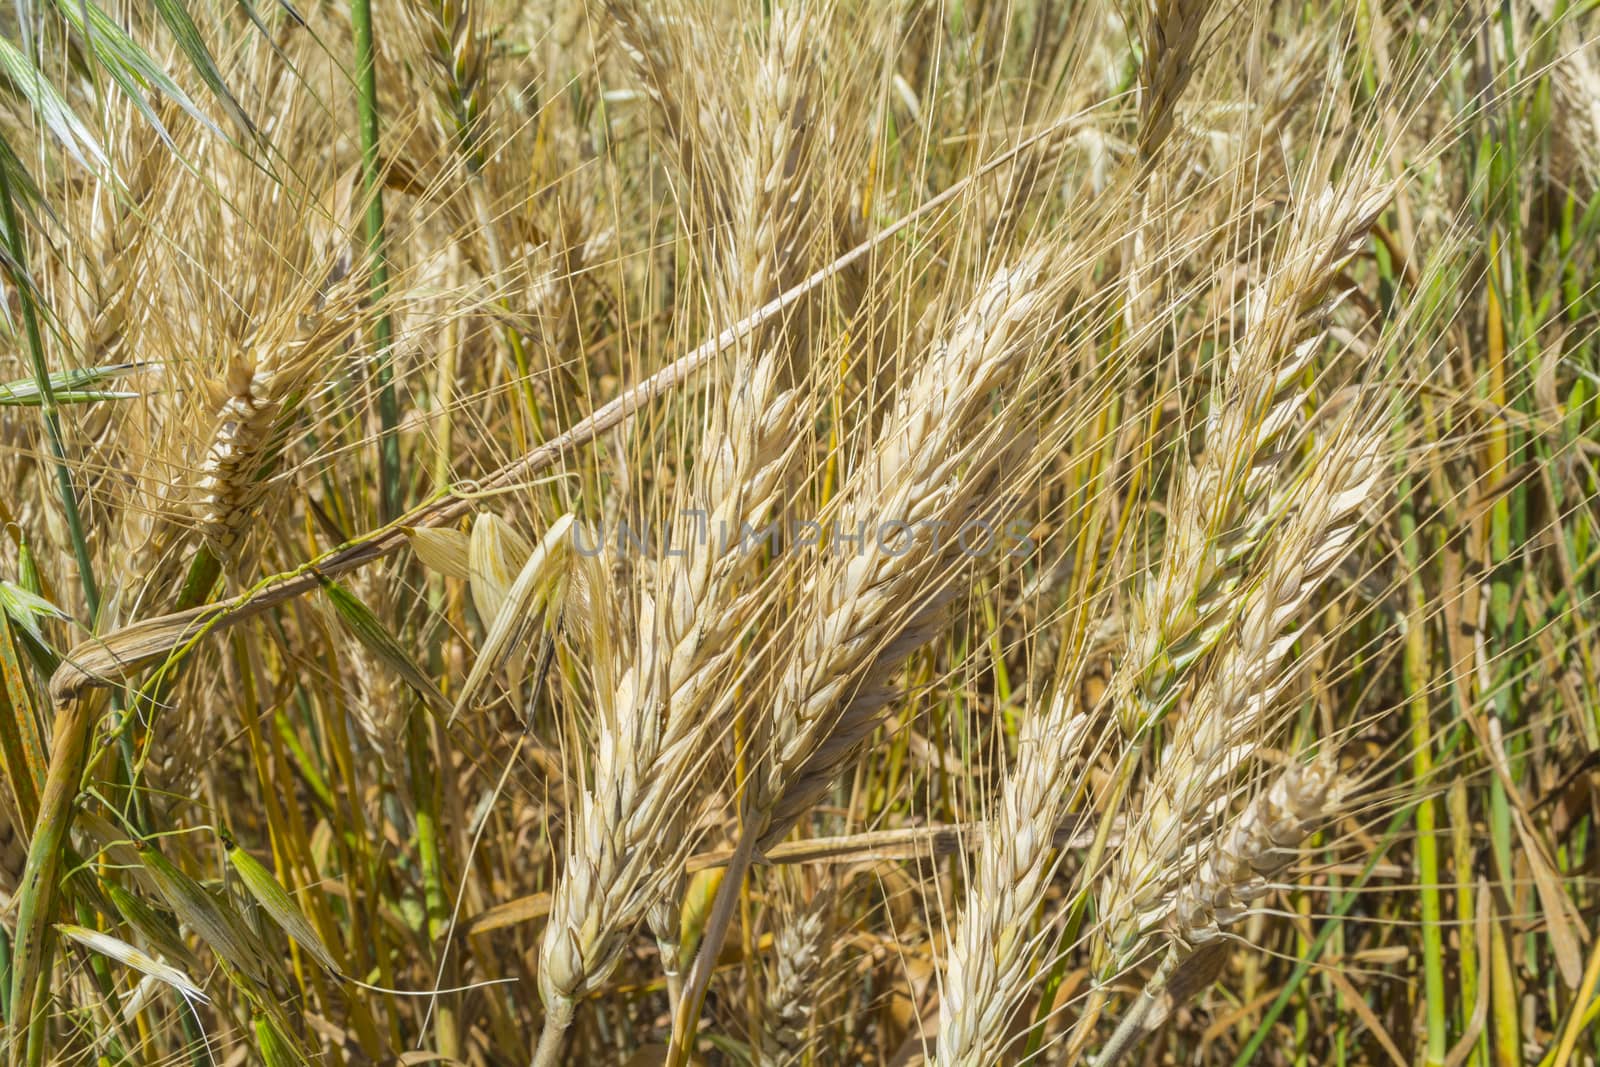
(799, 532)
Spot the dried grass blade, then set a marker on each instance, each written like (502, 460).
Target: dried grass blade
(200, 911)
(129, 956)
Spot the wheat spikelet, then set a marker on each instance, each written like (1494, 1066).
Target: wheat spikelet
(1234, 871)
(1235, 867)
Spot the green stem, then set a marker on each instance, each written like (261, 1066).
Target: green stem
(430, 855)
(1417, 679)
(17, 247)
(687, 1017)
(36, 895)
(372, 187)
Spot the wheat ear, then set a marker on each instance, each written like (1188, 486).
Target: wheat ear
(262, 388)
(1222, 507)
(1233, 712)
(990, 962)
(931, 461)
(1576, 82)
(666, 51)
(989, 968)
(1222, 502)
(1171, 31)
(626, 858)
(790, 999)
(457, 46)
(1235, 870)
